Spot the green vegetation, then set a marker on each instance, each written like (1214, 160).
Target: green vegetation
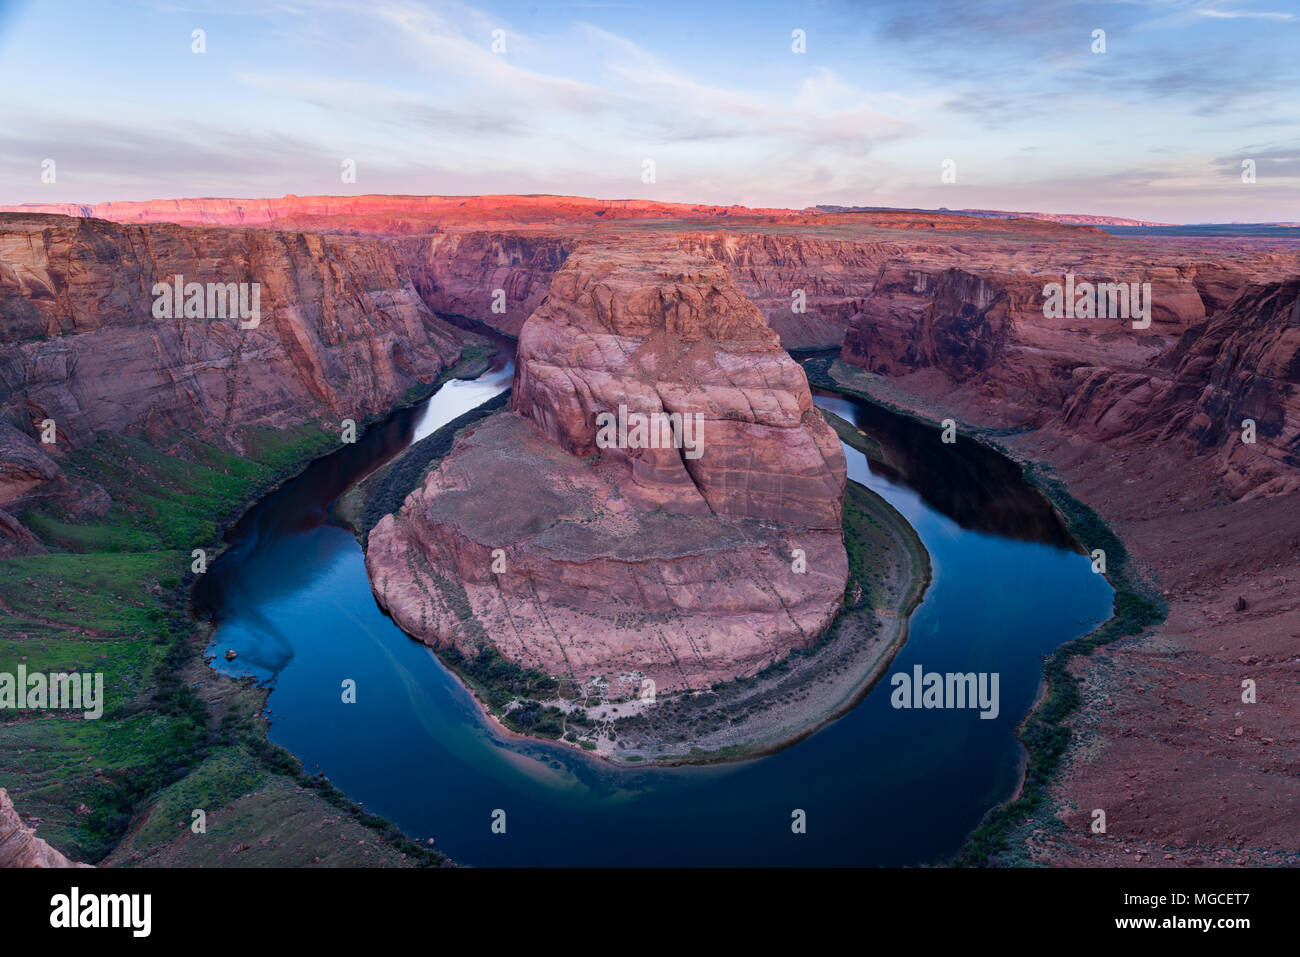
(867, 541)
(1044, 732)
(854, 437)
(530, 717)
(111, 596)
(498, 681)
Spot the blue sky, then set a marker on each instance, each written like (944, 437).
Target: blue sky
(1009, 90)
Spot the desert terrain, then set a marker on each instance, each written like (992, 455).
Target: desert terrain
(367, 302)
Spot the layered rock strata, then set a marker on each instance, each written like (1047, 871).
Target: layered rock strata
(584, 560)
(19, 845)
(340, 332)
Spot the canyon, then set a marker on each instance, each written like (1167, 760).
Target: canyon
(680, 308)
(344, 335)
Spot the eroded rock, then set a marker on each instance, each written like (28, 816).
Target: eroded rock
(19, 845)
(618, 560)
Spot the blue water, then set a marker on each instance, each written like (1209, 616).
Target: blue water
(879, 786)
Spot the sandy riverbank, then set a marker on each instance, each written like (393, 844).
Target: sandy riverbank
(787, 702)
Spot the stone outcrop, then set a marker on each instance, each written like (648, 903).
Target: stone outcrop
(341, 329)
(467, 274)
(19, 845)
(808, 288)
(658, 332)
(1242, 364)
(342, 333)
(614, 560)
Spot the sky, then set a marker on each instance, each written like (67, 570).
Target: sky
(576, 98)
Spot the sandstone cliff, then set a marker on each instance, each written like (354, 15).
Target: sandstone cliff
(832, 276)
(661, 333)
(616, 560)
(342, 333)
(389, 215)
(19, 845)
(496, 278)
(1242, 364)
(1218, 350)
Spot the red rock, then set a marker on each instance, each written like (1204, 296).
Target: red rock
(616, 560)
(343, 334)
(19, 845)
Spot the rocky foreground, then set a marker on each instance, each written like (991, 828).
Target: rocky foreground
(19, 845)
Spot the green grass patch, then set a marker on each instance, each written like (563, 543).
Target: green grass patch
(112, 596)
(218, 781)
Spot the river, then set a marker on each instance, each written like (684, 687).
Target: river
(879, 786)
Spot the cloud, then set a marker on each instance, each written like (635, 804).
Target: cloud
(1244, 15)
(826, 113)
(1277, 162)
(445, 46)
(387, 105)
(129, 153)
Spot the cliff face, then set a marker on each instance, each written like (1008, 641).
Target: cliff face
(630, 560)
(342, 333)
(658, 332)
(387, 215)
(832, 276)
(1243, 363)
(352, 286)
(496, 278)
(875, 286)
(19, 845)
(985, 324)
(1218, 350)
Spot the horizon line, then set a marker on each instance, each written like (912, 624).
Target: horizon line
(972, 212)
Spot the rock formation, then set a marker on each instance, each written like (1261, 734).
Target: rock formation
(496, 278)
(619, 560)
(19, 845)
(1242, 364)
(680, 568)
(388, 215)
(342, 333)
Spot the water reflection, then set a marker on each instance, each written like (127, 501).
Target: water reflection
(975, 486)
